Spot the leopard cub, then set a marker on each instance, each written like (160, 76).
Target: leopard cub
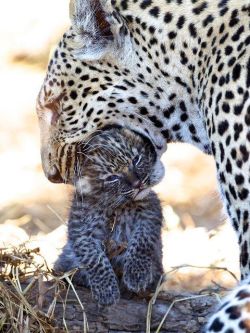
(114, 227)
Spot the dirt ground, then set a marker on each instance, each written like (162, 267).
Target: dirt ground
(196, 231)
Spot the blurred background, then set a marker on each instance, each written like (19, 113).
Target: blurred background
(33, 210)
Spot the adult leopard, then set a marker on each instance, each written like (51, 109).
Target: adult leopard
(173, 70)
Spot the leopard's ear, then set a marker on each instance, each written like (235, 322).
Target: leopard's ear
(98, 28)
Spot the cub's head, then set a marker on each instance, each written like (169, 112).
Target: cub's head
(117, 165)
(96, 77)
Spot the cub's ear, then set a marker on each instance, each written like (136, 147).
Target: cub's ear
(98, 29)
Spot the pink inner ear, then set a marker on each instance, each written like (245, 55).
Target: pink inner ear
(101, 19)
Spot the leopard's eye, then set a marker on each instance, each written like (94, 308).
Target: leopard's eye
(137, 160)
(112, 179)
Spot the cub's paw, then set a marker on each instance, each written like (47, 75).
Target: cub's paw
(105, 291)
(138, 274)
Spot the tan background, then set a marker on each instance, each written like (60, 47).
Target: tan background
(33, 210)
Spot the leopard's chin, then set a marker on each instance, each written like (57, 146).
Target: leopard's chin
(157, 174)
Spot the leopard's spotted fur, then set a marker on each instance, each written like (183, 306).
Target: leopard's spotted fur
(174, 70)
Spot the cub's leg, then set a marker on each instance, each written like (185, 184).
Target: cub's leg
(94, 271)
(101, 277)
(85, 250)
(68, 261)
(143, 259)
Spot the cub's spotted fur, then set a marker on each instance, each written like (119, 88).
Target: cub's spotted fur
(114, 228)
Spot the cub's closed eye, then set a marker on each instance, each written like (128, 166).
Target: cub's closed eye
(112, 178)
(137, 160)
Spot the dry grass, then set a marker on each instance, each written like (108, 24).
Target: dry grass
(19, 268)
(216, 292)
(21, 310)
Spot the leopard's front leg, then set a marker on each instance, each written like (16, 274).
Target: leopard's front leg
(235, 194)
(142, 265)
(231, 148)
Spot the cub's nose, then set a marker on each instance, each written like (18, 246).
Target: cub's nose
(133, 179)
